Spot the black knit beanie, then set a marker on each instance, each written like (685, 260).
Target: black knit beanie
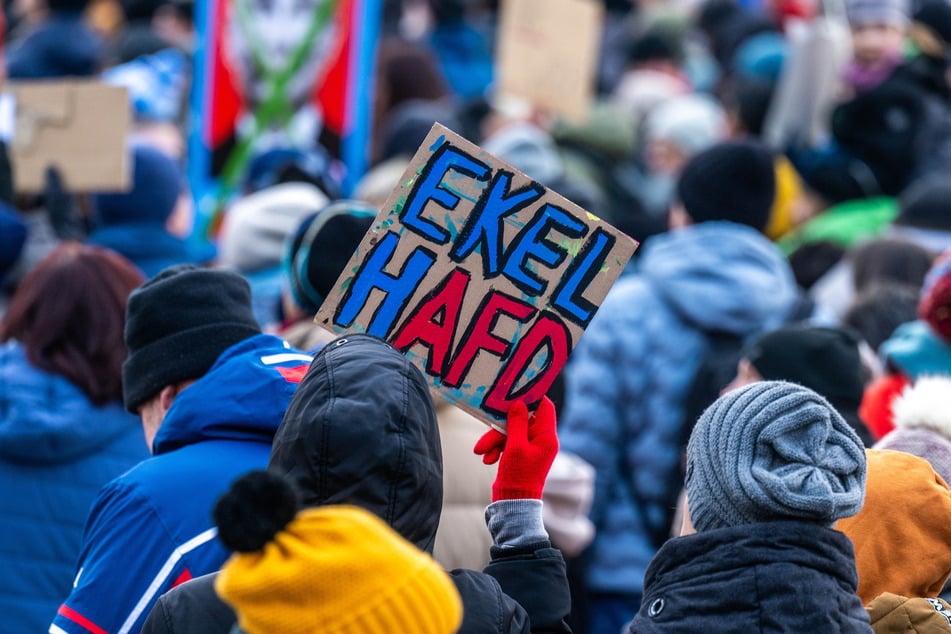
(178, 324)
(730, 181)
(826, 360)
(321, 248)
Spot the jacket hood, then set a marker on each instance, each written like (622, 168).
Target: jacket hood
(721, 276)
(45, 419)
(362, 430)
(783, 576)
(242, 397)
(906, 518)
(810, 545)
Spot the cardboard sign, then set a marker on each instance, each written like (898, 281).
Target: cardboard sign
(483, 277)
(78, 127)
(548, 53)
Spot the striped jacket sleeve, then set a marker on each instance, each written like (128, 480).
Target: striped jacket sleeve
(128, 559)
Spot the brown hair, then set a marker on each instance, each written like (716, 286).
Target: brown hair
(69, 315)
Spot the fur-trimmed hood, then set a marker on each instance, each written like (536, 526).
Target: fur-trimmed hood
(926, 404)
(923, 423)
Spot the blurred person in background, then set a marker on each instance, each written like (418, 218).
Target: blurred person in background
(148, 28)
(406, 72)
(149, 223)
(58, 44)
(878, 31)
(825, 360)
(628, 383)
(254, 237)
(63, 430)
(463, 53)
(867, 265)
(914, 350)
(317, 253)
(880, 309)
(674, 132)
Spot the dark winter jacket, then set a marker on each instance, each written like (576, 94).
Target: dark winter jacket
(57, 450)
(775, 577)
(370, 438)
(151, 529)
(898, 129)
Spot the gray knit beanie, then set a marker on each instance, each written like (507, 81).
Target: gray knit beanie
(769, 451)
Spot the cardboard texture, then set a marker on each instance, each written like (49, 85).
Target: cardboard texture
(79, 127)
(548, 52)
(481, 276)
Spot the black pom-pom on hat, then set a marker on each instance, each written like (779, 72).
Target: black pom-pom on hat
(255, 509)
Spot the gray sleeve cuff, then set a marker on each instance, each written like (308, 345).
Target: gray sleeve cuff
(515, 523)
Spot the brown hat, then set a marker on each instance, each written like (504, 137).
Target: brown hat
(893, 614)
(902, 533)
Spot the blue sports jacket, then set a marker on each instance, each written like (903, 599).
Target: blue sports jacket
(151, 529)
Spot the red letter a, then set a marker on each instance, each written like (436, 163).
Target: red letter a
(433, 323)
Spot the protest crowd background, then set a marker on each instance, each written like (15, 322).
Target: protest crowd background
(753, 434)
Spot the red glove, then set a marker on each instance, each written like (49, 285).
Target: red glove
(527, 451)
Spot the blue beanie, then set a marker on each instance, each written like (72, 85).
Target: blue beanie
(156, 185)
(773, 451)
(762, 56)
(916, 349)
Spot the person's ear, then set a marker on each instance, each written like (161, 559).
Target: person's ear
(687, 527)
(167, 396)
(170, 392)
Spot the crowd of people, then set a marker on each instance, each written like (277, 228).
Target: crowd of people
(753, 434)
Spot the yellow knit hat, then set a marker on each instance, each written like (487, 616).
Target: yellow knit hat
(333, 569)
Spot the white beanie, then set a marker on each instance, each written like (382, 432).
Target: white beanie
(257, 226)
(692, 123)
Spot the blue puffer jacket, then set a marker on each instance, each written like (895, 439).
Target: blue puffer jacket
(56, 451)
(151, 529)
(628, 377)
(770, 578)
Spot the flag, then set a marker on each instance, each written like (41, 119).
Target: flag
(278, 74)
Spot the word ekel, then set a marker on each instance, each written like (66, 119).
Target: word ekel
(435, 320)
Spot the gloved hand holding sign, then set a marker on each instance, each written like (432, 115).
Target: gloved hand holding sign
(526, 451)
